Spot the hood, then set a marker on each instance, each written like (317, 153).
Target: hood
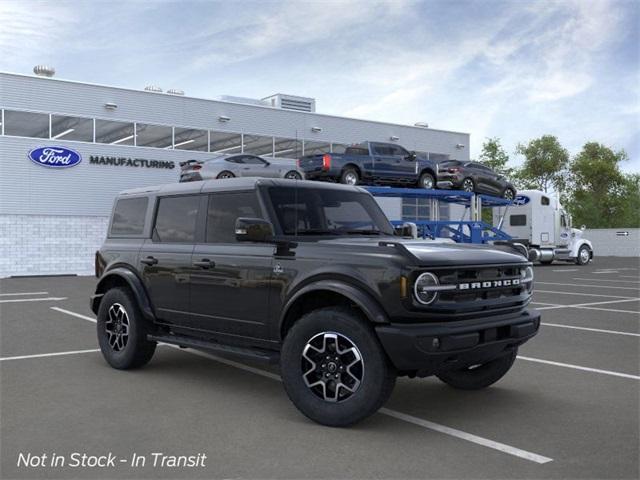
(436, 254)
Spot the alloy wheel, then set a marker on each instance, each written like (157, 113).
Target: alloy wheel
(350, 178)
(584, 255)
(508, 194)
(117, 327)
(467, 185)
(293, 176)
(427, 182)
(333, 366)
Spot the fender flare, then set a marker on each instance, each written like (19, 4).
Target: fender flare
(369, 305)
(580, 243)
(134, 283)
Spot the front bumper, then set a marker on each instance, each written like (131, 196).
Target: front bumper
(434, 347)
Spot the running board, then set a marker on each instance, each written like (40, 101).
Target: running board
(260, 355)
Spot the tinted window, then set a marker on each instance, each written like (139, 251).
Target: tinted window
(308, 211)
(356, 151)
(224, 209)
(113, 132)
(253, 160)
(239, 159)
(176, 219)
(518, 220)
(383, 150)
(398, 151)
(544, 201)
(26, 124)
(128, 216)
(71, 128)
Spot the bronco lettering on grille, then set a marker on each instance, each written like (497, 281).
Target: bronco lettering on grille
(511, 282)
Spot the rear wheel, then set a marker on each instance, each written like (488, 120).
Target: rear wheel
(293, 175)
(468, 185)
(427, 181)
(477, 377)
(584, 255)
(122, 331)
(334, 369)
(349, 176)
(225, 174)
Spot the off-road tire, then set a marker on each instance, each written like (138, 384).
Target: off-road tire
(348, 174)
(137, 351)
(481, 376)
(378, 378)
(426, 179)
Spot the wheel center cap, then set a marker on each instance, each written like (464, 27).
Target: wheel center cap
(332, 367)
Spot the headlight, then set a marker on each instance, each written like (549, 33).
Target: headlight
(526, 275)
(426, 288)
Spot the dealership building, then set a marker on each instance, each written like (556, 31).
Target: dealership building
(52, 220)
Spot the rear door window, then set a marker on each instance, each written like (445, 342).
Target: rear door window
(176, 219)
(128, 216)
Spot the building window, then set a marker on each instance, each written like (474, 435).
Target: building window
(225, 143)
(258, 145)
(315, 148)
(26, 124)
(157, 136)
(415, 209)
(190, 139)
(71, 128)
(287, 148)
(114, 133)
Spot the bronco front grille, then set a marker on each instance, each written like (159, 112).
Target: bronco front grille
(489, 290)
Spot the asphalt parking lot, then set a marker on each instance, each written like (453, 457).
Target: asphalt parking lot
(568, 409)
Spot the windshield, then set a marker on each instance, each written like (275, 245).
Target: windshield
(309, 211)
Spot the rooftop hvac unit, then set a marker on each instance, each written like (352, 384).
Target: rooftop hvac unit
(44, 71)
(175, 91)
(153, 88)
(291, 102)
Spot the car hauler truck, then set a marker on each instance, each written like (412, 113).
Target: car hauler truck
(539, 221)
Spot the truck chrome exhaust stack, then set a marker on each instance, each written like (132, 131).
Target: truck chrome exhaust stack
(534, 255)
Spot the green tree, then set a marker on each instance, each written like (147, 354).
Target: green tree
(600, 195)
(545, 164)
(494, 156)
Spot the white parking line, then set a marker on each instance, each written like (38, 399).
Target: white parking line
(23, 293)
(73, 314)
(632, 312)
(587, 286)
(533, 457)
(579, 294)
(579, 367)
(46, 299)
(584, 305)
(607, 280)
(41, 355)
(628, 276)
(598, 330)
(567, 270)
(469, 437)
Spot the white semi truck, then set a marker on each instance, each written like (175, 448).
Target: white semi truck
(538, 221)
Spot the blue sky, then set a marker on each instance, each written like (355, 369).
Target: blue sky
(515, 69)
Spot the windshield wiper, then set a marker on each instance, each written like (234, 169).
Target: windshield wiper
(362, 232)
(315, 231)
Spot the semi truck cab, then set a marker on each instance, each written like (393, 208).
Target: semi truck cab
(538, 220)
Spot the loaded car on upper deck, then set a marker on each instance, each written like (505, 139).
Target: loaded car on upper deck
(474, 177)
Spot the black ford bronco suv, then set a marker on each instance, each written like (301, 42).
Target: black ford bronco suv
(310, 275)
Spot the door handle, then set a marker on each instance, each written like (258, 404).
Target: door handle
(205, 263)
(149, 260)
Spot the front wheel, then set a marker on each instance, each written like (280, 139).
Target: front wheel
(334, 369)
(584, 255)
(509, 194)
(122, 331)
(468, 185)
(427, 181)
(477, 377)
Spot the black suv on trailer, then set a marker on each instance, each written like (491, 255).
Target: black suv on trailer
(311, 275)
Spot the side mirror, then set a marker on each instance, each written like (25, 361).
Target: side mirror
(583, 228)
(412, 156)
(408, 229)
(253, 230)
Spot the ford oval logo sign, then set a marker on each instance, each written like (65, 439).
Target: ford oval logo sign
(521, 200)
(55, 157)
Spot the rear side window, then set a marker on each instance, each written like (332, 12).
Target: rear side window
(356, 151)
(176, 219)
(224, 209)
(518, 220)
(128, 216)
